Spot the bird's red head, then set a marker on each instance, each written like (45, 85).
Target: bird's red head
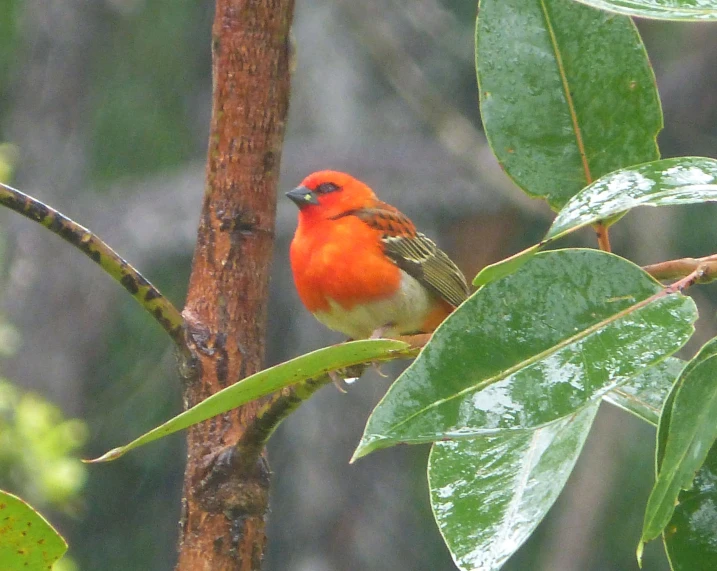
(327, 194)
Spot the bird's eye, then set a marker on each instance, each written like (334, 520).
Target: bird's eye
(325, 187)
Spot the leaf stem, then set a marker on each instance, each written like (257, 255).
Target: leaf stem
(603, 237)
(148, 296)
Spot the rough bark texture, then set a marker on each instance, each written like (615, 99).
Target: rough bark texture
(225, 501)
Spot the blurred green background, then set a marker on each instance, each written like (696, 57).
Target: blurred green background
(107, 105)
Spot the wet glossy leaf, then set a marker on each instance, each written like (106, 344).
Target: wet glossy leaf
(645, 394)
(696, 10)
(567, 94)
(690, 536)
(709, 349)
(537, 345)
(691, 432)
(669, 182)
(27, 540)
(265, 382)
(489, 493)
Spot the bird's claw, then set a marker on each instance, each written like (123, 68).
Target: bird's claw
(337, 380)
(381, 331)
(377, 368)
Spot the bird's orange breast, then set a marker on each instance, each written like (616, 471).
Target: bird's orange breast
(340, 260)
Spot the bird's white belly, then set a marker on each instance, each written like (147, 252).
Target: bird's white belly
(404, 312)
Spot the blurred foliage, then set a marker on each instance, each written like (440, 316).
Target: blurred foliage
(155, 59)
(8, 157)
(38, 450)
(8, 35)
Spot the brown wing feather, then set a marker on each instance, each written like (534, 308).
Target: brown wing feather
(416, 254)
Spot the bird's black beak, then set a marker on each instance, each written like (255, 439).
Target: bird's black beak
(302, 196)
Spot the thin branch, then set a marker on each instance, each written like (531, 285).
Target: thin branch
(603, 237)
(282, 404)
(286, 401)
(700, 275)
(148, 296)
(682, 267)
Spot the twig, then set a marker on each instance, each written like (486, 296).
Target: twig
(603, 237)
(281, 405)
(148, 296)
(701, 274)
(682, 267)
(286, 401)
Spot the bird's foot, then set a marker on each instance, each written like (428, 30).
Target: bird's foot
(381, 331)
(337, 380)
(377, 367)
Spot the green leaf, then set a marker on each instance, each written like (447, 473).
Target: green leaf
(692, 432)
(505, 267)
(27, 540)
(264, 382)
(644, 394)
(691, 10)
(709, 349)
(567, 94)
(8, 158)
(537, 345)
(489, 493)
(669, 182)
(689, 538)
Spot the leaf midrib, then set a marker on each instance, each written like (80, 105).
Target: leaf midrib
(537, 357)
(568, 95)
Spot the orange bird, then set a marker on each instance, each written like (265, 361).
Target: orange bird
(360, 266)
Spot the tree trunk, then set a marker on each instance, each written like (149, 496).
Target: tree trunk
(225, 501)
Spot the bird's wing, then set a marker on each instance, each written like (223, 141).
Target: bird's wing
(416, 254)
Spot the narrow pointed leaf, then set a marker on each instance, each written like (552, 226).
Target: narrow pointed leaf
(490, 492)
(692, 432)
(537, 345)
(690, 10)
(27, 540)
(645, 394)
(669, 182)
(567, 94)
(264, 382)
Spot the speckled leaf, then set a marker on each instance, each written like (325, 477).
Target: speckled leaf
(685, 437)
(264, 382)
(669, 182)
(537, 345)
(645, 394)
(27, 540)
(489, 493)
(567, 94)
(695, 10)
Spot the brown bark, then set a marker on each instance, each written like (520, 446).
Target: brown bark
(225, 502)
